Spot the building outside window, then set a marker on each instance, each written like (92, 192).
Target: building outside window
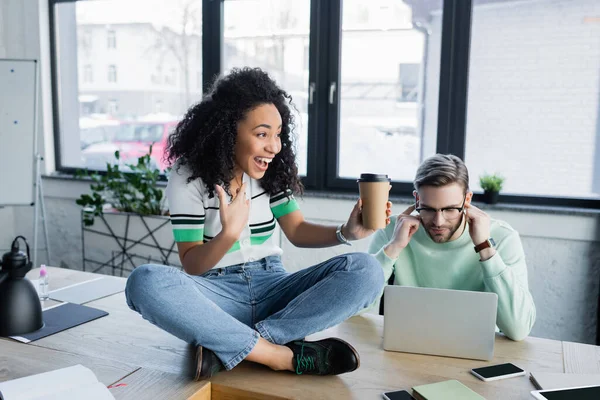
(111, 39)
(112, 73)
(88, 76)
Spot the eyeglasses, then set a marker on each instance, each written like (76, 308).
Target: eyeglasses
(449, 213)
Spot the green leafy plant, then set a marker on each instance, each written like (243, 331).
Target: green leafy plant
(491, 182)
(132, 191)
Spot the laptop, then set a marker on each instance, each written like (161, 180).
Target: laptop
(442, 322)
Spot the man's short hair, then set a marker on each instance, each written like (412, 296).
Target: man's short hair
(442, 170)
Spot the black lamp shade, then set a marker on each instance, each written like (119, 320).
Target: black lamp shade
(20, 308)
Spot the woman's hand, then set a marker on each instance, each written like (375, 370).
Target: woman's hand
(354, 229)
(234, 215)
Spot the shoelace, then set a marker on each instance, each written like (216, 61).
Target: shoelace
(304, 363)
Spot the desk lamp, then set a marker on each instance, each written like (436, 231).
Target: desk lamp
(20, 308)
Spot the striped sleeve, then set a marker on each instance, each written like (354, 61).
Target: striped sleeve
(283, 203)
(187, 227)
(185, 206)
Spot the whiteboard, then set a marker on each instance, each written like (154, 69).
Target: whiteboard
(18, 136)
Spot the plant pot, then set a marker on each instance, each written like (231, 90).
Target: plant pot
(490, 197)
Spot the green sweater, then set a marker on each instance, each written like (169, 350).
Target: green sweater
(455, 265)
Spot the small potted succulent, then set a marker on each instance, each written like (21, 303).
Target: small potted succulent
(491, 185)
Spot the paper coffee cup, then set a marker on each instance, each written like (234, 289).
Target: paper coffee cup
(374, 192)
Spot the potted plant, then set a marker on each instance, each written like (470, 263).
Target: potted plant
(133, 190)
(124, 220)
(491, 185)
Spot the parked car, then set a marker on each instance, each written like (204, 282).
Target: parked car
(132, 139)
(95, 130)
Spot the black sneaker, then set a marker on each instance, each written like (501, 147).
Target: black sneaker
(207, 363)
(324, 357)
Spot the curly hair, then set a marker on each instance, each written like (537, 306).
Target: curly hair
(204, 140)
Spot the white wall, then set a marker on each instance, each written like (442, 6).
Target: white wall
(532, 110)
(24, 35)
(20, 37)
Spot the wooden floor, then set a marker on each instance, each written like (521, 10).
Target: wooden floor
(122, 348)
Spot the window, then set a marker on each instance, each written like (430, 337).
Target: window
(129, 87)
(533, 101)
(509, 86)
(86, 39)
(171, 77)
(139, 133)
(408, 82)
(112, 107)
(157, 76)
(112, 73)
(381, 111)
(273, 40)
(306, 55)
(88, 76)
(111, 39)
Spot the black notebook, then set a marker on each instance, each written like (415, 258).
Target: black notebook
(61, 317)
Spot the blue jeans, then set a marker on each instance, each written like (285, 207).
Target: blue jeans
(227, 309)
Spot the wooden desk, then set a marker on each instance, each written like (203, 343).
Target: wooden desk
(123, 347)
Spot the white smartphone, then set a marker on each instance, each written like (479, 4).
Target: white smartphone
(398, 395)
(495, 372)
(579, 393)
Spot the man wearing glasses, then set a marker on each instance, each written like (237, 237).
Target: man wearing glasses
(443, 241)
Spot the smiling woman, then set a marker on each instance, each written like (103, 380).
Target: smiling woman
(258, 141)
(245, 117)
(240, 303)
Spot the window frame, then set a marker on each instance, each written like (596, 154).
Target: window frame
(111, 39)
(111, 74)
(88, 73)
(324, 69)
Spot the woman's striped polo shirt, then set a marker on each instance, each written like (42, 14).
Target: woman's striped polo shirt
(195, 217)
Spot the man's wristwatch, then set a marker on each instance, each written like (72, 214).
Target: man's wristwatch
(488, 243)
(340, 236)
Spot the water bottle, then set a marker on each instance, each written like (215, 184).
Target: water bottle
(43, 284)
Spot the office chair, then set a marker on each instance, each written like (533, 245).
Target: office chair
(389, 282)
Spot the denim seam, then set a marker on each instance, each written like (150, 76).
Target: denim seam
(263, 332)
(217, 293)
(327, 279)
(308, 272)
(293, 309)
(281, 288)
(244, 353)
(248, 278)
(295, 306)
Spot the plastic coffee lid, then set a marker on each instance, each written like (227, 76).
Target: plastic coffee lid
(373, 178)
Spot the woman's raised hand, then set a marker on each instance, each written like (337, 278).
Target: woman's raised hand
(234, 215)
